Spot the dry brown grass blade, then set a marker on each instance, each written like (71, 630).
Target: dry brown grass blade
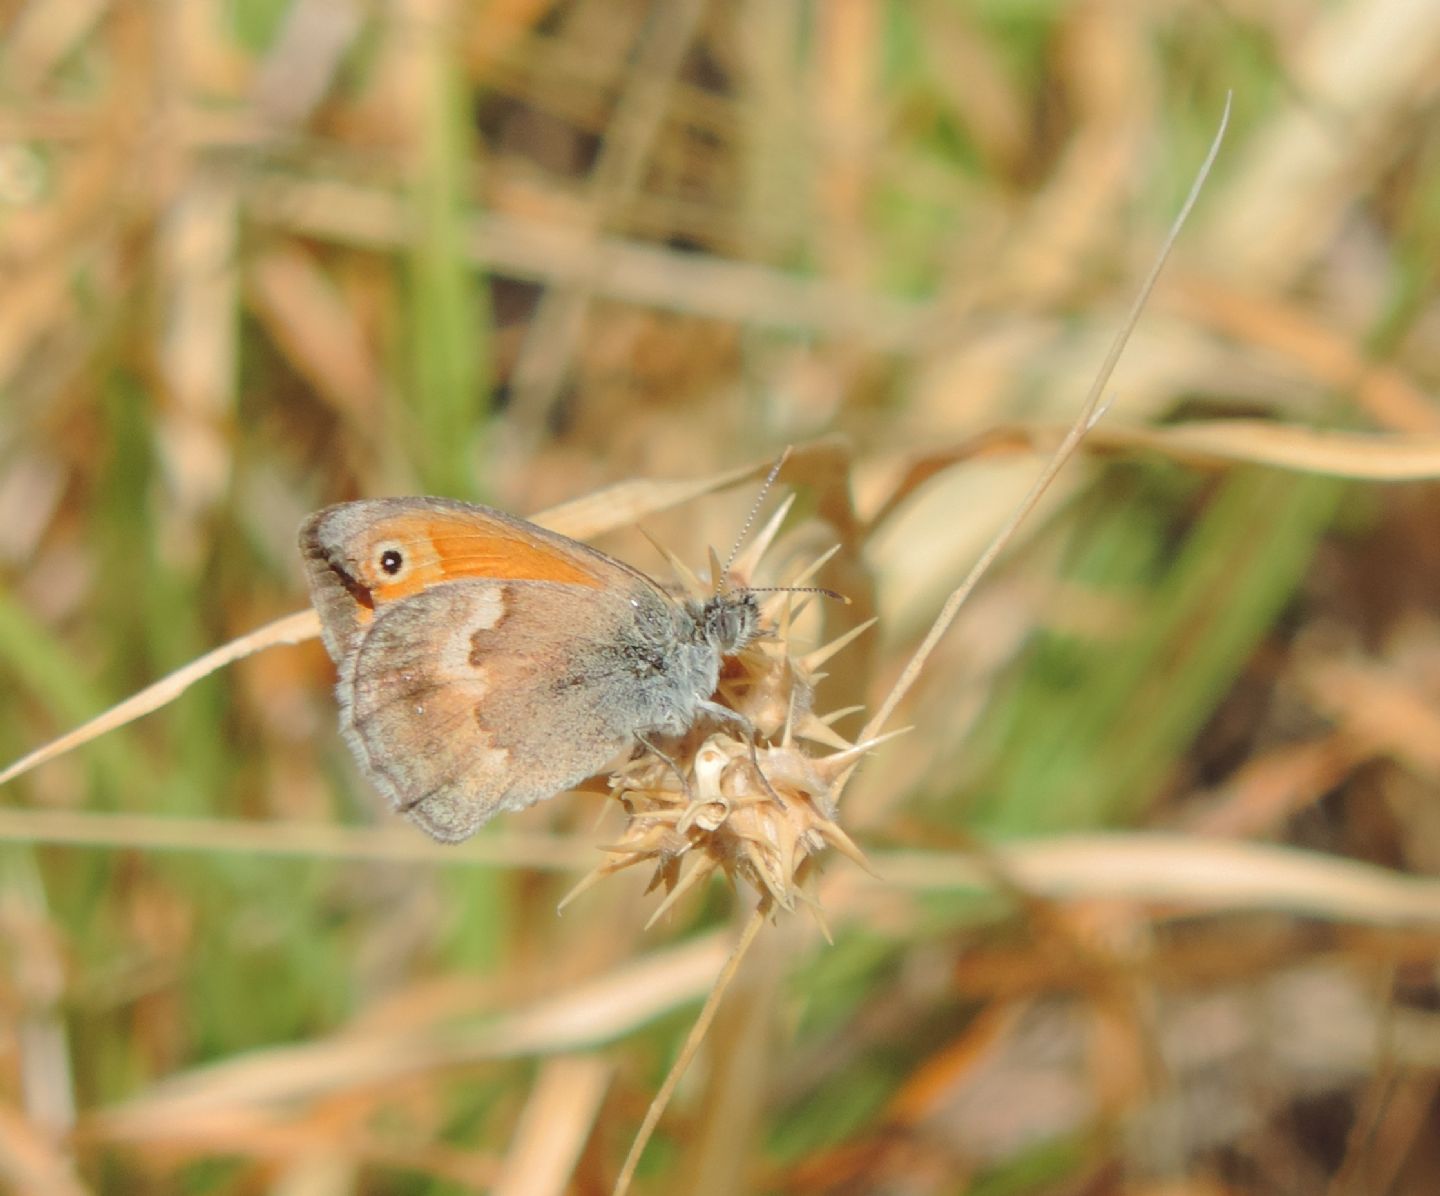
(747, 293)
(281, 839)
(1090, 411)
(1361, 456)
(1379, 710)
(585, 1015)
(291, 629)
(1359, 72)
(32, 1165)
(553, 1127)
(306, 316)
(690, 1047)
(41, 36)
(1262, 796)
(1373, 457)
(555, 330)
(1068, 219)
(816, 464)
(200, 348)
(845, 87)
(309, 52)
(1335, 357)
(1192, 871)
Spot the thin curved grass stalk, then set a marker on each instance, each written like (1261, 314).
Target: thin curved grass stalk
(1091, 411)
(692, 1045)
(290, 629)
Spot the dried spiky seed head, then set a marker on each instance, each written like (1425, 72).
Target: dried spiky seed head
(747, 800)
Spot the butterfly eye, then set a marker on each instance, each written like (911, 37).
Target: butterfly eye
(392, 561)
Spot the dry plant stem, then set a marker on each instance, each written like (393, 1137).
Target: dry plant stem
(1090, 413)
(557, 1120)
(579, 1017)
(1189, 872)
(292, 629)
(1209, 444)
(752, 295)
(289, 840)
(1364, 456)
(692, 1044)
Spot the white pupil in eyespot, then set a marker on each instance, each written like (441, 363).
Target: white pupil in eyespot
(391, 561)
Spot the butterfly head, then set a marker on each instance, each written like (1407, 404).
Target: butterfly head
(730, 620)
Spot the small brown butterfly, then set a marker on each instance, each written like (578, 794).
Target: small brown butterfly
(486, 663)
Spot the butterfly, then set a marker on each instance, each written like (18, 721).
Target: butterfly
(486, 663)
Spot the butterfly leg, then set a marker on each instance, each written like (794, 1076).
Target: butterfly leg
(674, 766)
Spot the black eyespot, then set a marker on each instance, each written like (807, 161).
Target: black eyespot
(391, 561)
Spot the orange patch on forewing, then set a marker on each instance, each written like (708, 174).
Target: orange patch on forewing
(453, 548)
(502, 554)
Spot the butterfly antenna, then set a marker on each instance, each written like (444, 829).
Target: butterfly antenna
(824, 593)
(722, 579)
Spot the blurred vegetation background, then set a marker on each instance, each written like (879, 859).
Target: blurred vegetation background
(261, 255)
